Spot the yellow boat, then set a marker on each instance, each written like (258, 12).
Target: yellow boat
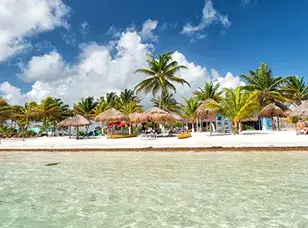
(184, 135)
(121, 136)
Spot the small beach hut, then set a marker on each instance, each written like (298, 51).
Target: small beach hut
(75, 121)
(112, 116)
(133, 117)
(301, 111)
(155, 115)
(206, 114)
(273, 110)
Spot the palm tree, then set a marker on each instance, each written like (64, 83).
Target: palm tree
(236, 105)
(262, 80)
(25, 114)
(130, 107)
(167, 103)
(161, 74)
(128, 95)
(209, 91)
(5, 110)
(295, 89)
(189, 110)
(86, 107)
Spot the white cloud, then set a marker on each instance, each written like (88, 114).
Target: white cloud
(209, 16)
(46, 68)
(100, 69)
(84, 28)
(20, 20)
(12, 94)
(147, 30)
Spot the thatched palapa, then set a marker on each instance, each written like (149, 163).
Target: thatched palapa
(74, 121)
(271, 110)
(134, 116)
(301, 111)
(155, 115)
(112, 115)
(177, 117)
(202, 111)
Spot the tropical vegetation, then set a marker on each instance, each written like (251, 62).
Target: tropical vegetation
(163, 76)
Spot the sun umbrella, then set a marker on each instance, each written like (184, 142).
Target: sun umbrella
(155, 115)
(75, 121)
(301, 111)
(134, 116)
(271, 110)
(209, 115)
(112, 115)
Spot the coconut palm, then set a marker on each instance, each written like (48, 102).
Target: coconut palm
(189, 110)
(209, 91)
(128, 95)
(262, 80)
(161, 75)
(86, 107)
(25, 114)
(295, 89)
(167, 103)
(236, 105)
(5, 110)
(130, 107)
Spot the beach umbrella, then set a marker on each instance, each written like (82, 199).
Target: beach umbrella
(177, 117)
(207, 114)
(112, 115)
(271, 110)
(274, 110)
(301, 111)
(134, 116)
(155, 115)
(75, 121)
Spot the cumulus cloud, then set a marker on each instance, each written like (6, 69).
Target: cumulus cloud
(45, 68)
(20, 20)
(147, 30)
(209, 16)
(100, 69)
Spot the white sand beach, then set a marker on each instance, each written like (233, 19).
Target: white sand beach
(245, 139)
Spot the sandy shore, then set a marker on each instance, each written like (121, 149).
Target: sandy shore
(252, 141)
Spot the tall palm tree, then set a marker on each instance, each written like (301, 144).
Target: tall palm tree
(128, 95)
(161, 75)
(167, 103)
(189, 110)
(130, 107)
(25, 114)
(209, 91)
(86, 107)
(262, 80)
(5, 110)
(236, 105)
(295, 89)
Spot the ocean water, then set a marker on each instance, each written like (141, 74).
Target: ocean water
(153, 190)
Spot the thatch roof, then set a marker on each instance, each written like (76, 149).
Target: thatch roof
(134, 116)
(202, 111)
(271, 110)
(254, 117)
(211, 117)
(111, 115)
(74, 121)
(177, 117)
(155, 115)
(65, 123)
(301, 111)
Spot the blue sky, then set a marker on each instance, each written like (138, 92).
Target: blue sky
(230, 36)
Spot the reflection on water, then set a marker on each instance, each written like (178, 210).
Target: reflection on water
(154, 190)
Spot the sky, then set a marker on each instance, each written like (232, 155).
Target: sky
(74, 48)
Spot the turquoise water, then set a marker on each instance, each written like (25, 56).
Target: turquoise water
(154, 190)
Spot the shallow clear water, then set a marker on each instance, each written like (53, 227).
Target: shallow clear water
(154, 190)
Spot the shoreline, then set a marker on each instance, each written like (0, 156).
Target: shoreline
(165, 149)
(199, 142)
